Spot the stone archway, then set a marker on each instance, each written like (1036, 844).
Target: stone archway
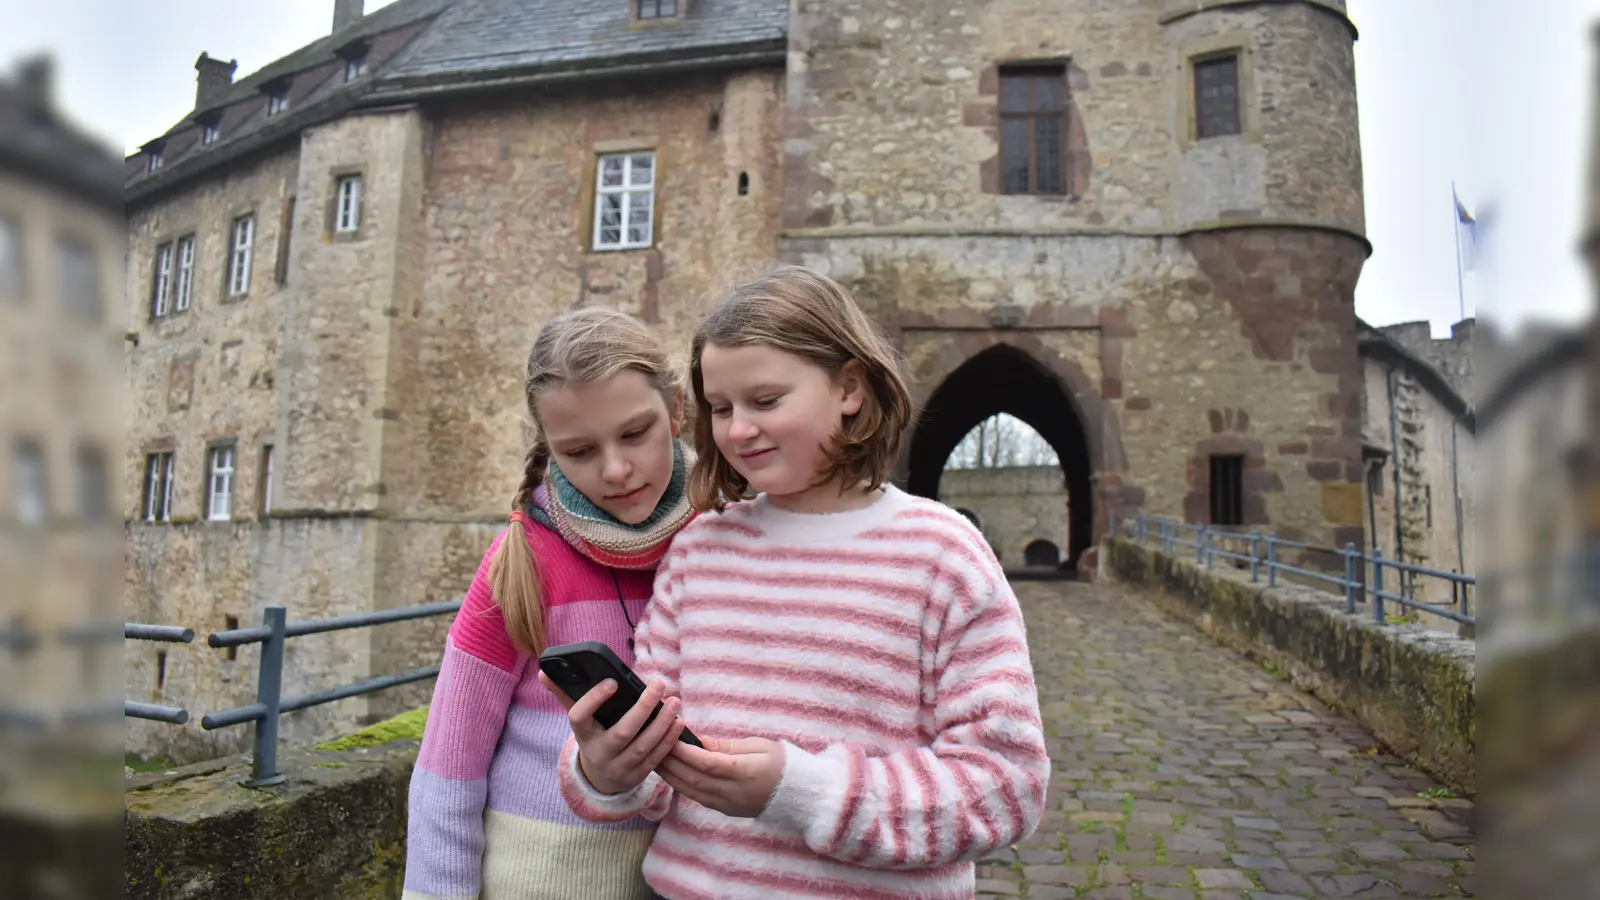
(1041, 554)
(980, 375)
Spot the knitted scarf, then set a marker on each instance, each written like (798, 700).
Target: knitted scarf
(562, 508)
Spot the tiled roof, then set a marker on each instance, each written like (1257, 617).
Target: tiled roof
(422, 42)
(487, 36)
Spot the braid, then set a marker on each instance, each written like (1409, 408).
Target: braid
(534, 463)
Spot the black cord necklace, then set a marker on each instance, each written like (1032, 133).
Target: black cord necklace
(615, 582)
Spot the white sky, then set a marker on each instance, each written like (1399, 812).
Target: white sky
(1494, 94)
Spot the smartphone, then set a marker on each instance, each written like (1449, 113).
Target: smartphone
(575, 668)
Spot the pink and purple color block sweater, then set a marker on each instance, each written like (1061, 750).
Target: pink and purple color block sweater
(487, 820)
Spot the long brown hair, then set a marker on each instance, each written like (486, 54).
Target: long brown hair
(803, 312)
(576, 347)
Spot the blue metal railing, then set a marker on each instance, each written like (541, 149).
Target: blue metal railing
(272, 634)
(1264, 552)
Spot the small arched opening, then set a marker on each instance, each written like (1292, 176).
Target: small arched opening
(1041, 554)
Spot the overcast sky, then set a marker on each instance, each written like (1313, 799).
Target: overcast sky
(1493, 94)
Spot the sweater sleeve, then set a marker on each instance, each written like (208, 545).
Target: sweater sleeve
(655, 656)
(449, 785)
(979, 785)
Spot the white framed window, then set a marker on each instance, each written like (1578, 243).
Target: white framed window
(277, 101)
(10, 258)
(266, 478)
(78, 278)
(210, 133)
(219, 487)
(158, 487)
(355, 66)
(33, 495)
(241, 247)
(624, 201)
(347, 214)
(161, 290)
(184, 291)
(153, 161)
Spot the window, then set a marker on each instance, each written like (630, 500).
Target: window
(1033, 130)
(624, 200)
(347, 214)
(161, 290)
(1227, 490)
(1427, 490)
(153, 160)
(240, 246)
(1216, 96)
(33, 495)
(219, 487)
(265, 500)
(277, 100)
(355, 66)
(78, 278)
(94, 485)
(1375, 479)
(10, 258)
(210, 133)
(185, 287)
(158, 487)
(656, 9)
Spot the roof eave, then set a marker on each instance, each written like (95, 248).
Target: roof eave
(752, 55)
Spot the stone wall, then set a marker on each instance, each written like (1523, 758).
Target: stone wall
(1015, 505)
(1432, 453)
(1453, 357)
(1414, 689)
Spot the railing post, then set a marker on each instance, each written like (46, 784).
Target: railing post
(1200, 537)
(1206, 542)
(1140, 530)
(1255, 555)
(1166, 537)
(1377, 585)
(1272, 559)
(1349, 554)
(269, 693)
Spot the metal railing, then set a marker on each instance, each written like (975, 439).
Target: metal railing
(272, 634)
(1263, 557)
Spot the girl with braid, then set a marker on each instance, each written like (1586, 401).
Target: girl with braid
(602, 494)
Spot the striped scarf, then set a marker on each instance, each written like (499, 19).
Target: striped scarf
(559, 506)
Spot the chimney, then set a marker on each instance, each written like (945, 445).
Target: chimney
(346, 13)
(36, 82)
(213, 81)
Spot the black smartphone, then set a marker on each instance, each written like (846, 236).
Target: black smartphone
(576, 668)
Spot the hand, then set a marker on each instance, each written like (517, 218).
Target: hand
(618, 759)
(735, 778)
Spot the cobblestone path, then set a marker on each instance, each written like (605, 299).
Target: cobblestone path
(1183, 770)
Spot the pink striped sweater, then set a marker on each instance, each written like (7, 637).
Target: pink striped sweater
(486, 819)
(885, 649)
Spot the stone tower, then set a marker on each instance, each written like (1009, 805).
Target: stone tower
(1136, 227)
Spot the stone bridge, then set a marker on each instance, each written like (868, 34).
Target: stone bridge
(1181, 770)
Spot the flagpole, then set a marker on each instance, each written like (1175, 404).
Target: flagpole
(1455, 229)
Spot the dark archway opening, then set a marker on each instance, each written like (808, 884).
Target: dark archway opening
(1003, 379)
(1041, 554)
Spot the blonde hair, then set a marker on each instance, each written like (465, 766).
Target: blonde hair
(576, 347)
(803, 312)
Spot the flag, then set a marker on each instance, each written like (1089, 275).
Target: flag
(1466, 234)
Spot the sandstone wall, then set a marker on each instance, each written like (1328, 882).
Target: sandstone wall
(1016, 505)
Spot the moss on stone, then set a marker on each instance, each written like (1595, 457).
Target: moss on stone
(407, 726)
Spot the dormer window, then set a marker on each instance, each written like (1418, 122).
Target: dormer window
(277, 99)
(210, 133)
(649, 10)
(355, 65)
(154, 160)
(153, 156)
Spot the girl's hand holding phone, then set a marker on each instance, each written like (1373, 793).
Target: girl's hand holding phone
(735, 778)
(617, 759)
